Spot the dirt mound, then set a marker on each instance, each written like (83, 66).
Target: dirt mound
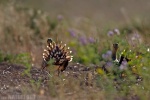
(13, 81)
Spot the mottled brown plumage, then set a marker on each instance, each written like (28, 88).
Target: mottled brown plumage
(58, 53)
(114, 51)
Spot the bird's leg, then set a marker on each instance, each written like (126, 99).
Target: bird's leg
(59, 70)
(44, 65)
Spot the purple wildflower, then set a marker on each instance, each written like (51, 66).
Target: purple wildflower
(136, 36)
(60, 17)
(105, 56)
(123, 65)
(116, 31)
(72, 32)
(109, 53)
(124, 62)
(83, 40)
(110, 33)
(109, 64)
(91, 40)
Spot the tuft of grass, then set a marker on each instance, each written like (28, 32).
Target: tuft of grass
(23, 59)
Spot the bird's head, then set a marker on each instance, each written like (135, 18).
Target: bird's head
(49, 40)
(115, 46)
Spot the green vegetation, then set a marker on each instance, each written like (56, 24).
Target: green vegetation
(23, 59)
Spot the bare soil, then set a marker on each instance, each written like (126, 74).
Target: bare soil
(14, 82)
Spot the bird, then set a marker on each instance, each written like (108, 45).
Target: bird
(119, 61)
(58, 54)
(119, 66)
(109, 65)
(113, 65)
(124, 57)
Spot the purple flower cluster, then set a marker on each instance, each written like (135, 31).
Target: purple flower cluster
(107, 55)
(60, 17)
(123, 65)
(136, 36)
(116, 31)
(113, 32)
(109, 64)
(86, 40)
(82, 39)
(72, 33)
(110, 33)
(91, 40)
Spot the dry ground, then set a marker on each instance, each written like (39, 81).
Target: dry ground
(13, 82)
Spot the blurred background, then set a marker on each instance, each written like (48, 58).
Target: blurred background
(102, 12)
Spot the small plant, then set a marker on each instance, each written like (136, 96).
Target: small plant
(21, 59)
(24, 59)
(36, 84)
(85, 49)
